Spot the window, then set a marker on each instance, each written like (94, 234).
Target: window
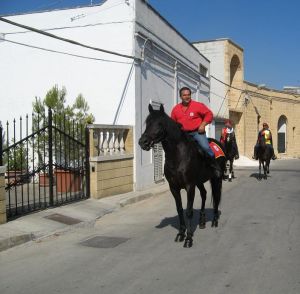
(203, 70)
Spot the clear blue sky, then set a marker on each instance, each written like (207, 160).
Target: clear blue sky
(267, 30)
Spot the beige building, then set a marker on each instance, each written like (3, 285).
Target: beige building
(249, 105)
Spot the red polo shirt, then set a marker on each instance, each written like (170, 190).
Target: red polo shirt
(192, 117)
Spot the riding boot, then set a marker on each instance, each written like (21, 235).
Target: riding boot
(255, 154)
(274, 157)
(215, 167)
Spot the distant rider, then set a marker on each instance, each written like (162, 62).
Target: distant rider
(266, 133)
(228, 129)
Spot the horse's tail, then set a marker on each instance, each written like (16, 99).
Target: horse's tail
(216, 188)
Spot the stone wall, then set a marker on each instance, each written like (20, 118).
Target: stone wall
(111, 160)
(250, 105)
(111, 177)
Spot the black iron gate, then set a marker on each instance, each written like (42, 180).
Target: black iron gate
(48, 167)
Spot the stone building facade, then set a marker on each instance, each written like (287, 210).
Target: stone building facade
(249, 105)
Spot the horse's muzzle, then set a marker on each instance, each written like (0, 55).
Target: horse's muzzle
(145, 143)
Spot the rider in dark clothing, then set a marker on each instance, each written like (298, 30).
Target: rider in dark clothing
(266, 133)
(228, 130)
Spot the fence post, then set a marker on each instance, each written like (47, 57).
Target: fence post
(87, 162)
(50, 157)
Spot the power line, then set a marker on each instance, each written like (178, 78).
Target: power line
(72, 27)
(65, 53)
(64, 39)
(268, 97)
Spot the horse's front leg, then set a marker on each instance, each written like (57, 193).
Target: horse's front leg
(189, 214)
(266, 168)
(230, 176)
(182, 227)
(202, 219)
(259, 174)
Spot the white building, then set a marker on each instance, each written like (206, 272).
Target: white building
(118, 89)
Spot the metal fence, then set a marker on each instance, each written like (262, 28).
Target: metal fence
(47, 163)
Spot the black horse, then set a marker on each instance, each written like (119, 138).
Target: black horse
(264, 154)
(184, 168)
(231, 152)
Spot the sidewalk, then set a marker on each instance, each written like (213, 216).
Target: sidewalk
(244, 161)
(59, 220)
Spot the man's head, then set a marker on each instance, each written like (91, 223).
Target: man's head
(228, 123)
(185, 95)
(265, 126)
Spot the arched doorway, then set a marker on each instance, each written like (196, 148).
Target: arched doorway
(235, 70)
(281, 134)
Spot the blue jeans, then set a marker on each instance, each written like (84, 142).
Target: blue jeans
(203, 143)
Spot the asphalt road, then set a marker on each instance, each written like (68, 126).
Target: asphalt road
(255, 249)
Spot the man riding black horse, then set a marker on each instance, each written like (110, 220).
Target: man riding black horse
(193, 117)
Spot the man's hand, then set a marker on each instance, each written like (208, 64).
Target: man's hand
(201, 129)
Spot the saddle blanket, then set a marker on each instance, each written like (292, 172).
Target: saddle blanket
(216, 149)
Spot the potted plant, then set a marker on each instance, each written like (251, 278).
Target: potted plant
(16, 162)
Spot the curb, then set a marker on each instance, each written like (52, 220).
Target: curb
(15, 241)
(19, 239)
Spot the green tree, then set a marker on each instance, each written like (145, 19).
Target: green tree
(70, 119)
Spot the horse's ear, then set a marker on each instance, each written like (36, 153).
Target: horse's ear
(150, 108)
(161, 108)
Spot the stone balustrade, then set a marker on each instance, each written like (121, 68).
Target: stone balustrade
(107, 141)
(111, 159)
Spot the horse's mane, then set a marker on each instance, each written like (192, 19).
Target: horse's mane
(173, 127)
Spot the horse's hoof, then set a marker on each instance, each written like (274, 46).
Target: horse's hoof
(202, 226)
(180, 237)
(214, 223)
(230, 180)
(188, 243)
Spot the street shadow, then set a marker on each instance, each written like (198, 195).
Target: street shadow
(174, 220)
(259, 178)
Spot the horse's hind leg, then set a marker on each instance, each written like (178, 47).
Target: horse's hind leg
(189, 214)
(202, 220)
(182, 227)
(216, 187)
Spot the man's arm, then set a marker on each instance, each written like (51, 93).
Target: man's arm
(206, 115)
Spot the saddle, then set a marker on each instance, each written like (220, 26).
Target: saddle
(216, 149)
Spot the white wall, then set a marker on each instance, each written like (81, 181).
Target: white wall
(157, 78)
(27, 72)
(215, 52)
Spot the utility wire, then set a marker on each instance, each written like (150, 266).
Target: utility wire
(259, 94)
(64, 39)
(65, 53)
(72, 27)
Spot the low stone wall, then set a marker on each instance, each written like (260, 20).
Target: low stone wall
(111, 177)
(111, 160)
(2, 196)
